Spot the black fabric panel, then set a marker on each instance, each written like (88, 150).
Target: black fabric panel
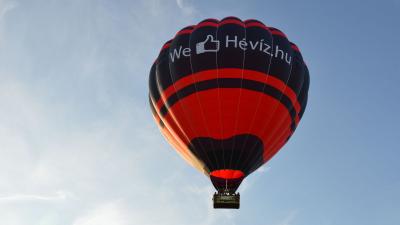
(231, 150)
(214, 158)
(205, 60)
(258, 40)
(299, 53)
(163, 75)
(281, 58)
(179, 62)
(305, 87)
(260, 51)
(154, 92)
(296, 78)
(303, 106)
(154, 112)
(230, 54)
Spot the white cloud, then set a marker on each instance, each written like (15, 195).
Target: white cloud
(186, 7)
(77, 141)
(58, 196)
(263, 169)
(7, 6)
(288, 220)
(249, 182)
(105, 214)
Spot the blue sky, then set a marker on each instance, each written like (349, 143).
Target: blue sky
(78, 144)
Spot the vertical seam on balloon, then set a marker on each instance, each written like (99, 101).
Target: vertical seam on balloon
(219, 99)
(198, 100)
(276, 106)
(306, 74)
(239, 98)
(184, 111)
(272, 114)
(171, 114)
(274, 144)
(167, 128)
(277, 141)
(165, 102)
(188, 157)
(284, 118)
(258, 102)
(280, 124)
(241, 149)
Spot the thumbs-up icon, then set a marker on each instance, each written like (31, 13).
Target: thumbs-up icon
(208, 45)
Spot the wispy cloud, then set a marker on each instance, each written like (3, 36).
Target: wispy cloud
(263, 169)
(248, 183)
(74, 117)
(7, 6)
(58, 196)
(186, 7)
(105, 214)
(289, 219)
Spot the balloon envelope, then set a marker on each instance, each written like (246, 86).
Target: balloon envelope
(227, 95)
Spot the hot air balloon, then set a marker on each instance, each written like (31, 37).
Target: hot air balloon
(227, 95)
